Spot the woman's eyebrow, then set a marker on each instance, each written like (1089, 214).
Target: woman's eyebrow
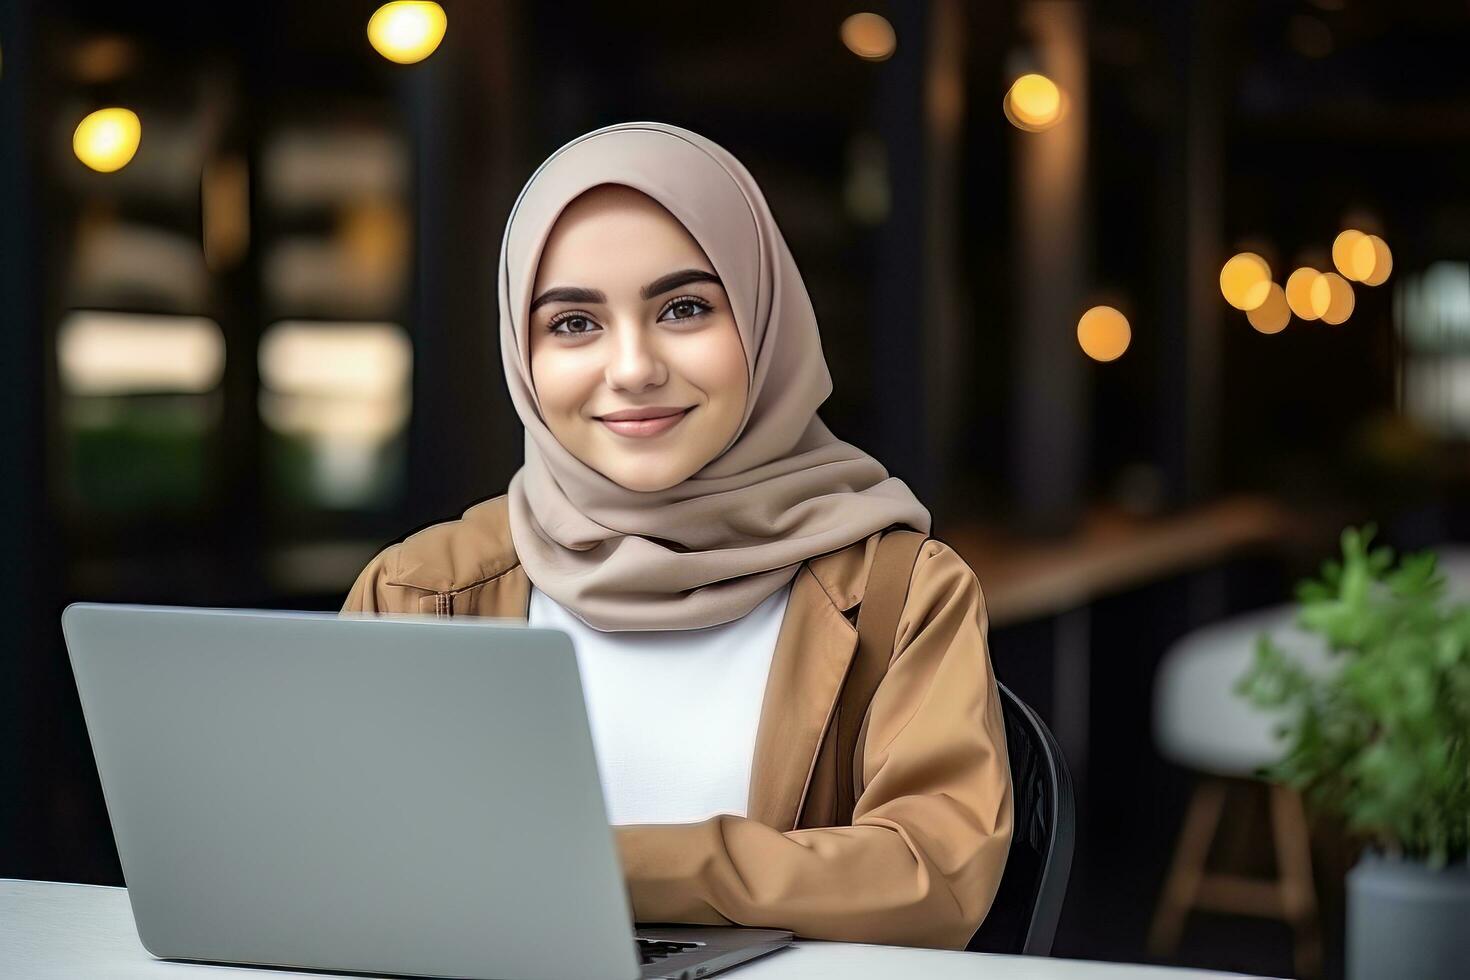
(569, 294)
(661, 285)
(676, 279)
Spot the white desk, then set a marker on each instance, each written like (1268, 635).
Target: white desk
(54, 931)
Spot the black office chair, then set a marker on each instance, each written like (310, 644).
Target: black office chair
(1023, 917)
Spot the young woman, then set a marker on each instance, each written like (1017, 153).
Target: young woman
(705, 540)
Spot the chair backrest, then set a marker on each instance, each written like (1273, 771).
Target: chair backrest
(1023, 917)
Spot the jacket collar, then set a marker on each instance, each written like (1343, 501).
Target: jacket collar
(843, 574)
(813, 649)
(456, 555)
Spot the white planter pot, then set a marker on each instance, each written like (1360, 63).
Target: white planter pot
(1405, 919)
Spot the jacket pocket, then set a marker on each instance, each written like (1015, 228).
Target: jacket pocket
(437, 604)
(463, 602)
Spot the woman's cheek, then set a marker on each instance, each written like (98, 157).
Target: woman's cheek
(719, 362)
(561, 383)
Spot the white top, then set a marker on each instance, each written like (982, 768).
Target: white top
(673, 712)
(51, 931)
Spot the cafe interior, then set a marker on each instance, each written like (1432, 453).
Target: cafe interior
(1156, 306)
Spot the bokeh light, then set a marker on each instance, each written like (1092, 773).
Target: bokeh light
(1347, 258)
(1340, 299)
(1362, 258)
(107, 139)
(869, 36)
(341, 389)
(1033, 103)
(358, 359)
(1245, 281)
(1304, 288)
(1382, 260)
(1273, 315)
(101, 352)
(1104, 333)
(407, 31)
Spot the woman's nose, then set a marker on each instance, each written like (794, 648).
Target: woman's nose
(636, 363)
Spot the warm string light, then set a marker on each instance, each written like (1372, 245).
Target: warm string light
(1309, 294)
(1382, 261)
(1273, 315)
(1245, 281)
(1340, 299)
(1034, 103)
(1362, 258)
(869, 36)
(1103, 333)
(1346, 257)
(407, 31)
(107, 139)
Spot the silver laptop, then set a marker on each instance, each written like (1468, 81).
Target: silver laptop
(394, 795)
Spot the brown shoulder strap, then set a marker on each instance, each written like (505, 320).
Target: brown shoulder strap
(877, 625)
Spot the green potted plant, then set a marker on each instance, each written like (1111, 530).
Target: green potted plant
(1381, 741)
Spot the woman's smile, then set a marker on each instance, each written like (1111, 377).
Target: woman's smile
(640, 428)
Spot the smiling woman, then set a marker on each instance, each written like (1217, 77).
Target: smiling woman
(635, 356)
(688, 520)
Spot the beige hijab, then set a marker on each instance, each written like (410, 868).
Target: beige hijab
(785, 489)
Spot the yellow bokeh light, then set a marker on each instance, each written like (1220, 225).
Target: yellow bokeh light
(1036, 99)
(1382, 260)
(1362, 258)
(1320, 295)
(107, 139)
(1033, 103)
(1340, 300)
(407, 31)
(1346, 256)
(1103, 333)
(869, 36)
(1273, 315)
(1245, 281)
(1302, 289)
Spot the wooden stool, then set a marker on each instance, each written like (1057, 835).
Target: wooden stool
(1289, 896)
(1201, 723)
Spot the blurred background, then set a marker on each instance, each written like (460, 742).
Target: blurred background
(1146, 300)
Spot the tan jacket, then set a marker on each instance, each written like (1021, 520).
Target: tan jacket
(932, 825)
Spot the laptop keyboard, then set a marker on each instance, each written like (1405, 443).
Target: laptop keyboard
(653, 950)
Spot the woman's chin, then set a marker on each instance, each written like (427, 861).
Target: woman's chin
(643, 475)
(646, 482)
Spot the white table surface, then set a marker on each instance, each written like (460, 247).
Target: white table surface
(54, 930)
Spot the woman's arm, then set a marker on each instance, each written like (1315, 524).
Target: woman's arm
(371, 593)
(931, 828)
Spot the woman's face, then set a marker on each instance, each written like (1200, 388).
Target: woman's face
(629, 318)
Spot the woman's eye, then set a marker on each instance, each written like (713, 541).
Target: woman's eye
(573, 325)
(684, 308)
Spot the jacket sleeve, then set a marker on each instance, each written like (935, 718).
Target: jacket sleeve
(931, 829)
(371, 593)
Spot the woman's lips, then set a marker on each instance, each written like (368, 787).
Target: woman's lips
(645, 427)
